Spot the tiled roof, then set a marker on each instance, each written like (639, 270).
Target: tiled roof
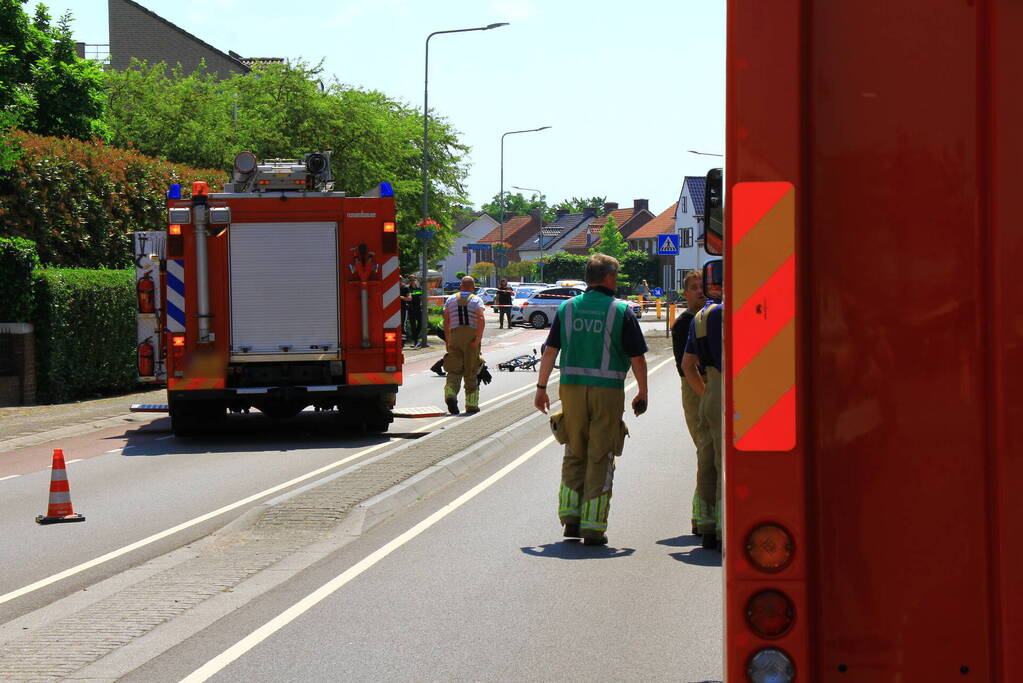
(516, 231)
(664, 222)
(244, 68)
(696, 185)
(594, 228)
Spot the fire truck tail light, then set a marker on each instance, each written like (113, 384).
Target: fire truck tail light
(390, 337)
(769, 548)
(770, 665)
(770, 614)
(388, 226)
(178, 340)
(174, 230)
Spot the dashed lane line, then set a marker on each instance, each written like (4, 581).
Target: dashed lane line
(9, 476)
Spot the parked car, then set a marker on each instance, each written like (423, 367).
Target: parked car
(539, 309)
(488, 294)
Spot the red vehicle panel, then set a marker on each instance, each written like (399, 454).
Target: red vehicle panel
(899, 126)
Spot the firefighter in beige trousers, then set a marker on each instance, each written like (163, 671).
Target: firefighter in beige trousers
(598, 339)
(463, 328)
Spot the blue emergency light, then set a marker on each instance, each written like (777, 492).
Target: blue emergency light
(174, 192)
(386, 190)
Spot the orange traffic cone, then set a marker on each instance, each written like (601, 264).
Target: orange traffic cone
(60, 509)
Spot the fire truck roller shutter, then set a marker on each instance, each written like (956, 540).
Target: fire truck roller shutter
(284, 288)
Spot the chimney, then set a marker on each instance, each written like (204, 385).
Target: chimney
(609, 207)
(640, 204)
(536, 215)
(589, 211)
(561, 212)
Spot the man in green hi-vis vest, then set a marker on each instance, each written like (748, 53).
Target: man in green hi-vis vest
(599, 339)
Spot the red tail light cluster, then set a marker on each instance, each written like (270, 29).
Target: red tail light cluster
(770, 613)
(769, 548)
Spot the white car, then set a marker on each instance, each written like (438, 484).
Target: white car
(539, 309)
(488, 294)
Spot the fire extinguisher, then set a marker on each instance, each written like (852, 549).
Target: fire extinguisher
(146, 358)
(144, 289)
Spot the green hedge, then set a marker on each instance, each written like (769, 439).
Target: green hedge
(85, 333)
(18, 260)
(79, 200)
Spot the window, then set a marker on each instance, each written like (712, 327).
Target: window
(682, 204)
(687, 237)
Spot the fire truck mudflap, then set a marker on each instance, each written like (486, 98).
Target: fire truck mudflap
(278, 294)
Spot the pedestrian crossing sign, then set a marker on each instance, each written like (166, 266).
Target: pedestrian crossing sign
(667, 244)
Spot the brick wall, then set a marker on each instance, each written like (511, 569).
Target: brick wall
(17, 365)
(139, 33)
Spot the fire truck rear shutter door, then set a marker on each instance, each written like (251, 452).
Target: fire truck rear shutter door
(284, 284)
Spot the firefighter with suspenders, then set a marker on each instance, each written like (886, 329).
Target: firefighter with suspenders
(702, 364)
(463, 327)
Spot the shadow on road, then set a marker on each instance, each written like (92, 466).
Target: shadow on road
(699, 557)
(680, 541)
(574, 550)
(256, 432)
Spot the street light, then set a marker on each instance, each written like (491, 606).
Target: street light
(501, 196)
(426, 140)
(706, 154)
(539, 231)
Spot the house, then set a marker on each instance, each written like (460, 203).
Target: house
(689, 225)
(557, 233)
(628, 220)
(462, 256)
(136, 32)
(514, 232)
(645, 239)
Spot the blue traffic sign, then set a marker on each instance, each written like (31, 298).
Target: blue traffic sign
(657, 291)
(667, 244)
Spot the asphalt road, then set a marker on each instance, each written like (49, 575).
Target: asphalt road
(484, 588)
(132, 486)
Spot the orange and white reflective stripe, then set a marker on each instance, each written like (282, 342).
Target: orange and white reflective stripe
(390, 277)
(762, 300)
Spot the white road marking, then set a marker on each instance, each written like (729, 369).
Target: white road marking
(164, 438)
(75, 460)
(289, 615)
(298, 609)
(9, 476)
(115, 450)
(525, 389)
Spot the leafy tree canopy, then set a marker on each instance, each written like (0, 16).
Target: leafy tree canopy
(45, 87)
(518, 204)
(286, 110)
(611, 241)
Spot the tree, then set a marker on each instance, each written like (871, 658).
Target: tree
(638, 266)
(564, 266)
(482, 271)
(611, 241)
(580, 204)
(524, 271)
(517, 205)
(45, 87)
(287, 110)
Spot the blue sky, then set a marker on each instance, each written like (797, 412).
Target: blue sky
(627, 87)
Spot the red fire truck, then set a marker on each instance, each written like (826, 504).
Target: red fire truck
(277, 294)
(874, 332)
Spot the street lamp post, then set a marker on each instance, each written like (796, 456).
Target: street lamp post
(501, 196)
(704, 154)
(426, 157)
(539, 231)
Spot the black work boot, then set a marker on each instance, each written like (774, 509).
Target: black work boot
(710, 541)
(595, 540)
(572, 530)
(438, 367)
(452, 405)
